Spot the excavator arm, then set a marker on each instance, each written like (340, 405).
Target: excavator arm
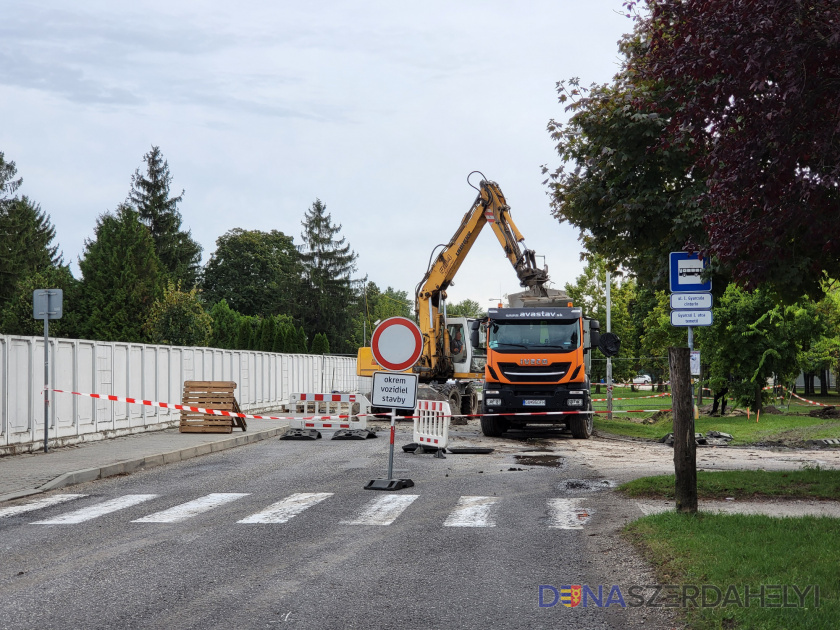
(430, 304)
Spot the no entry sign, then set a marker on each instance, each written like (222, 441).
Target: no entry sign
(396, 344)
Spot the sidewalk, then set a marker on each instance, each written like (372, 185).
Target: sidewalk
(31, 473)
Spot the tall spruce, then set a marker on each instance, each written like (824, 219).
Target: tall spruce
(121, 278)
(179, 254)
(26, 235)
(328, 263)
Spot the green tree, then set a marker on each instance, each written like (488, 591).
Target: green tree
(320, 344)
(755, 337)
(16, 317)
(258, 273)
(121, 278)
(267, 334)
(243, 335)
(656, 334)
(179, 254)
(178, 319)
(26, 243)
(225, 325)
(633, 199)
(589, 292)
(328, 263)
(372, 305)
(8, 185)
(466, 308)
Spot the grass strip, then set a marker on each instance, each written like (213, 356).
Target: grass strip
(770, 427)
(809, 483)
(747, 551)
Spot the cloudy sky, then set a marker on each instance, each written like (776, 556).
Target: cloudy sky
(380, 109)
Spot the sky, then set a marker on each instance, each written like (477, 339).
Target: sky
(379, 109)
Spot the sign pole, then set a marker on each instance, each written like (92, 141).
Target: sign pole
(391, 453)
(46, 380)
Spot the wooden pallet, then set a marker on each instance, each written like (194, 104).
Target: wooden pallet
(210, 395)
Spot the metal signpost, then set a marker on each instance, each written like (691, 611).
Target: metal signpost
(396, 345)
(47, 304)
(691, 297)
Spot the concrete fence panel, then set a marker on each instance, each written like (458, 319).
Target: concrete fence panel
(264, 381)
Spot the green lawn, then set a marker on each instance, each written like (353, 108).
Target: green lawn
(811, 483)
(787, 428)
(747, 551)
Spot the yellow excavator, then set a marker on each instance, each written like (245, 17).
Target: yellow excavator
(454, 348)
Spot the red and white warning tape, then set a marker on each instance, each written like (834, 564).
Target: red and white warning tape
(633, 397)
(813, 402)
(233, 414)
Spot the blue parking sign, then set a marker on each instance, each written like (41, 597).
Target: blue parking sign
(685, 272)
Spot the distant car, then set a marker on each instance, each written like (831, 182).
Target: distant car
(642, 379)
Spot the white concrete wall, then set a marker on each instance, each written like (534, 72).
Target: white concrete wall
(264, 380)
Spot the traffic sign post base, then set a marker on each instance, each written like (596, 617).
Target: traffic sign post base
(389, 484)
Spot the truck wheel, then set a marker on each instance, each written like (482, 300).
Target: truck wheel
(469, 402)
(450, 393)
(582, 425)
(494, 426)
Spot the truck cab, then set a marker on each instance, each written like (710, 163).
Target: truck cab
(538, 361)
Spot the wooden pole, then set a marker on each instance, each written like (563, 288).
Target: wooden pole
(685, 449)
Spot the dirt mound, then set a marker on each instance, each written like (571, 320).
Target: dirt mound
(825, 412)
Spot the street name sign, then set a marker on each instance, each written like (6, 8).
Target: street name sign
(691, 300)
(691, 318)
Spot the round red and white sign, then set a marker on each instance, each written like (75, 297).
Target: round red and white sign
(396, 344)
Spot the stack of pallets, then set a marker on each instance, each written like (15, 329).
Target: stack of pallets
(210, 395)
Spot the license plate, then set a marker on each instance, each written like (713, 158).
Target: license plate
(534, 403)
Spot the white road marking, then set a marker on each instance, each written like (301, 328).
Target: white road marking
(191, 508)
(472, 512)
(384, 510)
(37, 504)
(288, 508)
(568, 513)
(94, 511)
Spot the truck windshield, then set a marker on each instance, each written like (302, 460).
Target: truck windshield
(548, 335)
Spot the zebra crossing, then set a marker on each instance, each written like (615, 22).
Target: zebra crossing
(468, 511)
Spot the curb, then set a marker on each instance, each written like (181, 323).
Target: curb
(133, 465)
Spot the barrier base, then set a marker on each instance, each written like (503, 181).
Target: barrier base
(301, 434)
(422, 449)
(389, 484)
(353, 434)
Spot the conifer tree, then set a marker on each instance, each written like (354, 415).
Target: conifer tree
(328, 263)
(243, 335)
(121, 278)
(225, 325)
(149, 195)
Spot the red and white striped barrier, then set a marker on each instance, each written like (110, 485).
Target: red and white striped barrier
(341, 411)
(813, 402)
(431, 423)
(344, 417)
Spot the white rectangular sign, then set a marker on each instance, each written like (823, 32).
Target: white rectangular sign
(394, 389)
(691, 300)
(691, 318)
(695, 362)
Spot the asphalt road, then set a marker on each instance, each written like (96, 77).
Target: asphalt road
(469, 550)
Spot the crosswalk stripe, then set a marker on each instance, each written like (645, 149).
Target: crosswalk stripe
(383, 510)
(88, 513)
(472, 512)
(288, 508)
(37, 504)
(191, 508)
(568, 514)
